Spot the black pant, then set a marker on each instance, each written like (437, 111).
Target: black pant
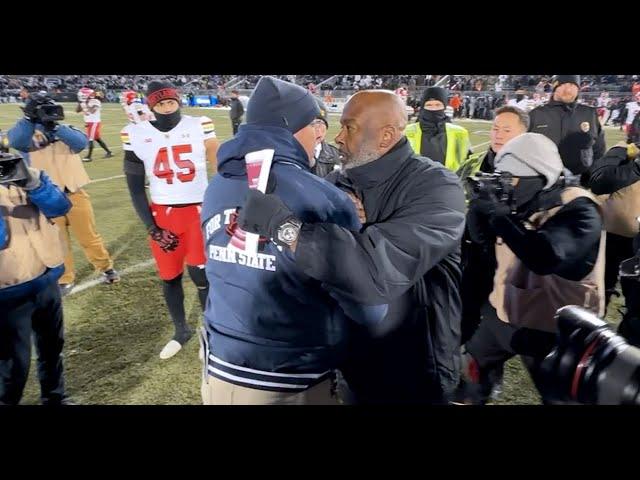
(42, 314)
(478, 268)
(235, 124)
(490, 346)
(618, 248)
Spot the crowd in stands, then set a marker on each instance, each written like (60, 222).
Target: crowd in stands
(489, 86)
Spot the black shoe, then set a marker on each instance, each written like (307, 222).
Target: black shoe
(111, 276)
(108, 155)
(58, 401)
(477, 386)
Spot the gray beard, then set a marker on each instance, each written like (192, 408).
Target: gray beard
(361, 159)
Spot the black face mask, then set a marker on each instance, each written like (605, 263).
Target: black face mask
(165, 122)
(432, 116)
(432, 121)
(527, 189)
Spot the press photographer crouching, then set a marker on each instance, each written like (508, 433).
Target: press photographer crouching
(31, 261)
(547, 244)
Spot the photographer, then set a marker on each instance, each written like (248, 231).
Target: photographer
(617, 175)
(31, 257)
(546, 242)
(508, 123)
(54, 148)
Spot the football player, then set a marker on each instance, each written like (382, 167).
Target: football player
(135, 110)
(172, 151)
(90, 106)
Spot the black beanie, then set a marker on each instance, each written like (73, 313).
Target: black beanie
(434, 93)
(558, 80)
(158, 91)
(323, 115)
(276, 103)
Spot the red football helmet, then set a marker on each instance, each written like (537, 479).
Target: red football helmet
(85, 93)
(129, 97)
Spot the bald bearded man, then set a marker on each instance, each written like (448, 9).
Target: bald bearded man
(406, 255)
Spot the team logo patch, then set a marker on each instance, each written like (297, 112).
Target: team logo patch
(585, 126)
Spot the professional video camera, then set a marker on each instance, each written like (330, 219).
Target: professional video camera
(491, 186)
(12, 168)
(42, 109)
(588, 364)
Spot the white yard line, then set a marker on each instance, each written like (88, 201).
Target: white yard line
(97, 281)
(98, 180)
(480, 144)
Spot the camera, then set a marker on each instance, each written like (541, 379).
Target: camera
(41, 108)
(49, 113)
(587, 363)
(12, 168)
(497, 185)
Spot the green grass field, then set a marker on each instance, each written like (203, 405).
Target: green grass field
(114, 333)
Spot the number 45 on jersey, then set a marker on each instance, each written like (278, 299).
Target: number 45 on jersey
(162, 166)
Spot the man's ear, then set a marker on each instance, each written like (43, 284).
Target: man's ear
(388, 135)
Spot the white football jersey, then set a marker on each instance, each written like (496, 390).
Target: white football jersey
(632, 110)
(91, 117)
(138, 112)
(175, 162)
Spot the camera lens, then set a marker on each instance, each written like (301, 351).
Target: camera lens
(591, 364)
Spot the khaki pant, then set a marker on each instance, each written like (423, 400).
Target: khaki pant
(219, 392)
(82, 222)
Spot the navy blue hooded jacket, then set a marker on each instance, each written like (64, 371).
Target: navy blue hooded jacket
(269, 325)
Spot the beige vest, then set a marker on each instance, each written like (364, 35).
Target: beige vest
(34, 241)
(526, 299)
(621, 209)
(63, 166)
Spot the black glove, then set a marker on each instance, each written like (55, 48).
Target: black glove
(167, 240)
(489, 208)
(263, 214)
(482, 212)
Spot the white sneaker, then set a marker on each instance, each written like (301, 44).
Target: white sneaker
(170, 349)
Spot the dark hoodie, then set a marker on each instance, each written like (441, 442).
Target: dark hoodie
(265, 314)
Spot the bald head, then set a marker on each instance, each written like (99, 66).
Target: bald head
(373, 121)
(380, 107)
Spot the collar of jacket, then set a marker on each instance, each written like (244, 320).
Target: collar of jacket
(567, 106)
(251, 138)
(378, 171)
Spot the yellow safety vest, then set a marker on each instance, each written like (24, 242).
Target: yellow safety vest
(457, 143)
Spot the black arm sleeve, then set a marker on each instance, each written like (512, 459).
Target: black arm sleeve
(561, 245)
(613, 172)
(134, 171)
(381, 262)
